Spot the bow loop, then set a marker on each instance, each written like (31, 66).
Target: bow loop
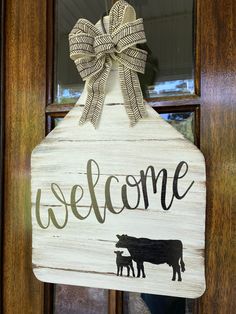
(81, 39)
(121, 13)
(86, 27)
(93, 53)
(129, 35)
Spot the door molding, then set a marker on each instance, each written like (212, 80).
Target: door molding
(217, 142)
(25, 98)
(1, 140)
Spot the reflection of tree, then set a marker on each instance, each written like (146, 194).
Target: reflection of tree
(179, 116)
(135, 304)
(183, 122)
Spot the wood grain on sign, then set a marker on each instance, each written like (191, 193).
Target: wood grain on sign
(97, 193)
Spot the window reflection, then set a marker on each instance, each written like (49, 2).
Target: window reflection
(68, 84)
(79, 300)
(169, 30)
(182, 122)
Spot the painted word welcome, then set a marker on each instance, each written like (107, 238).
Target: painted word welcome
(140, 186)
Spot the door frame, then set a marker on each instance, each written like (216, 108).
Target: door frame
(24, 112)
(1, 138)
(27, 76)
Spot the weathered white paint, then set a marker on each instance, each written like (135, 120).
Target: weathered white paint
(83, 252)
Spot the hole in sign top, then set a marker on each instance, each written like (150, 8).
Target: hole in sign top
(118, 195)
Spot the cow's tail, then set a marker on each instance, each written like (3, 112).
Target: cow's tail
(182, 262)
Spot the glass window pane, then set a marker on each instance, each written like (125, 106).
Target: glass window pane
(78, 300)
(169, 30)
(134, 303)
(68, 84)
(183, 122)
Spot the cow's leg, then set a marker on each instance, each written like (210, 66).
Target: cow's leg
(118, 270)
(142, 268)
(179, 273)
(121, 272)
(132, 268)
(138, 269)
(174, 273)
(128, 271)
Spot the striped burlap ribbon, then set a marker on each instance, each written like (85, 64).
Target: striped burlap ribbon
(93, 53)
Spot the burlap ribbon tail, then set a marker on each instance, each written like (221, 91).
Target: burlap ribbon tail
(93, 53)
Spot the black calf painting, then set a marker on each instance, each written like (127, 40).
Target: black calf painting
(124, 261)
(153, 251)
(118, 195)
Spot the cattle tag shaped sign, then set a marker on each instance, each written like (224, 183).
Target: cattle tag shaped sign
(118, 195)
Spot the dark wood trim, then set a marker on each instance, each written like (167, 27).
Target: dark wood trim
(1, 145)
(25, 99)
(197, 125)
(48, 298)
(112, 296)
(57, 108)
(50, 120)
(115, 299)
(175, 108)
(50, 31)
(119, 302)
(50, 50)
(174, 101)
(197, 48)
(218, 143)
(49, 288)
(187, 102)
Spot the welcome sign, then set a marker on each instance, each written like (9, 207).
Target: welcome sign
(119, 207)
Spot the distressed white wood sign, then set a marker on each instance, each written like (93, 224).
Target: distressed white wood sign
(138, 190)
(119, 207)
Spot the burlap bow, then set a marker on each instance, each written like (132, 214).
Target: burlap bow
(94, 51)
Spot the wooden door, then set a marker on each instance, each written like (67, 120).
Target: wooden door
(30, 110)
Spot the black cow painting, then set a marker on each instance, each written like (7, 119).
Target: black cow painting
(154, 251)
